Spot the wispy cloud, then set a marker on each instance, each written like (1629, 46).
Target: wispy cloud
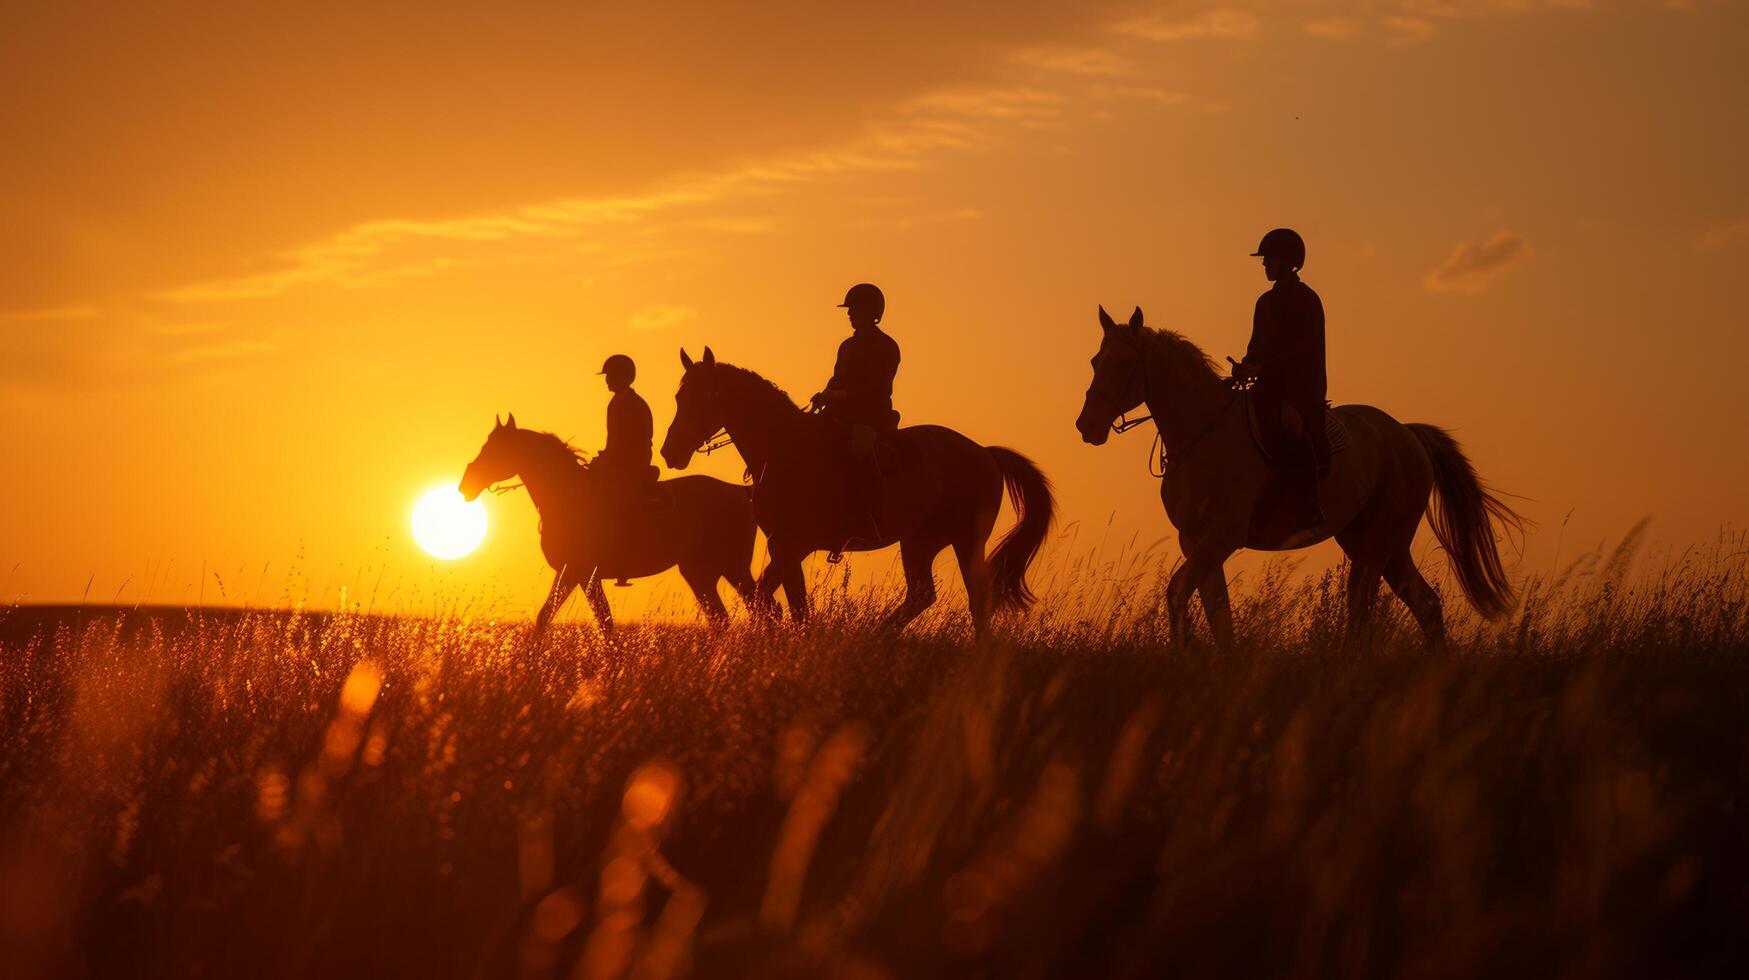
(375, 252)
(1724, 236)
(52, 315)
(1471, 266)
(1408, 30)
(1076, 61)
(1228, 23)
(660, 316)
(1333, 28)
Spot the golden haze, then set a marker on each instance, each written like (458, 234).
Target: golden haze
(266, 275)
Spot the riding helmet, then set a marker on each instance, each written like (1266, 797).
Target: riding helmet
(865, 295)
(1284, 243)
(620, 365)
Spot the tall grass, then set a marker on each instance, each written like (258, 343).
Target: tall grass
(268, 793)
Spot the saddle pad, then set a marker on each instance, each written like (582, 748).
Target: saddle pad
(1335, 432)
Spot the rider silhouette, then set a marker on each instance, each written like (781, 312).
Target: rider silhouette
(1286, 360)
(625, 461)
(860, 394)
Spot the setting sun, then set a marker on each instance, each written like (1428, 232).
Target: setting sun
(447, 526)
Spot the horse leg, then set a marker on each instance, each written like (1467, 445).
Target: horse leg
(783, 569)
(975, 570)
(1363, 594)
(765, 599)
(1406, 581)
(704, 589)
(795, 590)
(918, 560)
(597, 597)
(1217, 606)
(563, 582)
(1205, 557)
(741, 580)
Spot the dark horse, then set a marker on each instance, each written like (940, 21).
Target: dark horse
(704, 525)
(947, 495)
(1373, 499)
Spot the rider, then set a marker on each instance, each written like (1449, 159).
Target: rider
(860, 395)
(1286, 360)
(625, 462)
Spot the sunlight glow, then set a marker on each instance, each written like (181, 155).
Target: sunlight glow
(447, 526)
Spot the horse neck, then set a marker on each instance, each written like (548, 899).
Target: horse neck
(759, 421)
(547, 475)
(1184, 395)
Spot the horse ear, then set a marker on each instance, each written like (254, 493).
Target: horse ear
(511, 423)
(709, 358)
(1136, 319)
(685, 359)
(1105, 320)
(497, 423)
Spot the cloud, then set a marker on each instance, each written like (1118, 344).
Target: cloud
(1408, 30)
(1333, 28)
(54, 315)
(1724, 236)
(372, 253)
(1076, 61)
(1226, 23)
(1140, 93)
(1471, 266)
(660, 316)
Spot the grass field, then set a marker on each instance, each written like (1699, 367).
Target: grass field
(270, 793)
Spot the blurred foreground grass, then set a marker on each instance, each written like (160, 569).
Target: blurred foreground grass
(266, 794)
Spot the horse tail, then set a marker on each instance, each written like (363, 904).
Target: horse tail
(1464, 515)
(1030, 491)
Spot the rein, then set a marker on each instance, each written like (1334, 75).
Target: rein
(718, 440)
(1157, 452)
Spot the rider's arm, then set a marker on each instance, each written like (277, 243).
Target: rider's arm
(1257, 353)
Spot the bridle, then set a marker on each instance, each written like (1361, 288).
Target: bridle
(720, 439)
(1159, 463)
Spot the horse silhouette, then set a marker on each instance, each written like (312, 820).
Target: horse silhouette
(947, 494)
(1216, 482)
(699, 523)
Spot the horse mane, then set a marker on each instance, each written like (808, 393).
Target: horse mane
(552, 445)
(749, 378)
(1184, 346)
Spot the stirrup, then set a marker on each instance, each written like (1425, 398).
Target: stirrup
(836, 555)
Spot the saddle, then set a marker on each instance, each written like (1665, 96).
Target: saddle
(889, 452)
(1335, 431)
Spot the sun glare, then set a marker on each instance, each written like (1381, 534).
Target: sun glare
(447, 526)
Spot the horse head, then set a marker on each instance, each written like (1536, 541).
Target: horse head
(1119, 383)
(698, 414)
(496, 462)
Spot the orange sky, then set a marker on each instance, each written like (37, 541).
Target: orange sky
(266, 276)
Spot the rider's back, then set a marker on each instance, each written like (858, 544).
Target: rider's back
(630, 431)
(868, 361)
(1287, 341)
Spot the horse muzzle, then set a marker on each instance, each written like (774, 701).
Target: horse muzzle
(676, 459)
(1093, 432)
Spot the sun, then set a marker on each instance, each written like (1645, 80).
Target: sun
(447, 526)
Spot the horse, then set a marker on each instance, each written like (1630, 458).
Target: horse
(1373, 500)
(948, 495)
(702, 524)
